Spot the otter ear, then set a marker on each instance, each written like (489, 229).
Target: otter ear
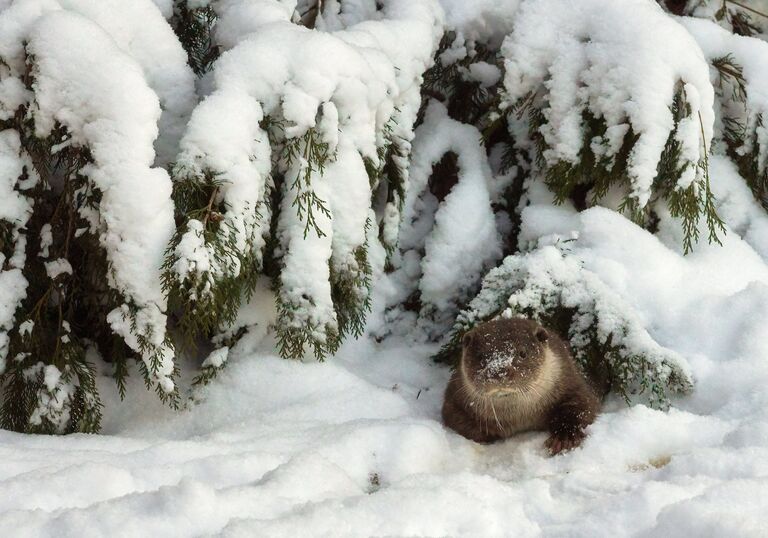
(541, 334)
(467, 340)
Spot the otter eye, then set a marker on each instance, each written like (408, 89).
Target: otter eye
(541, 335)
(522, 354)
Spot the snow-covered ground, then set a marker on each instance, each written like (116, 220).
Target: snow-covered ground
(354, 446)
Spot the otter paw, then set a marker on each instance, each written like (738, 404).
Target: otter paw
(558, 443)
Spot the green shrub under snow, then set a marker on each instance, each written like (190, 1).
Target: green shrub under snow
(607, 338)
(153, 170)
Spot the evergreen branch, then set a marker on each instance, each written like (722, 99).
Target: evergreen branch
(194, 28)
(599, 172)
(714, 222)
(310, 154)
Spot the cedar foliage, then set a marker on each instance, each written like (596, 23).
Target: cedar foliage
(61, 331)
(514, 133)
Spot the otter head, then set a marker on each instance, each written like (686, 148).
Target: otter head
(504, 356)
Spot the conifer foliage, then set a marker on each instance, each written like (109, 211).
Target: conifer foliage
(577, 98)
(133, 226)
(169, 167)
(606, 336)
(80, 244)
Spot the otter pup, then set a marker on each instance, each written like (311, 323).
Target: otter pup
(514, 375)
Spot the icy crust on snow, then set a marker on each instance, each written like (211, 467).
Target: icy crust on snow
(339, 89)
(588, 56)
(751, 54)
(458, 235)
(99, 94)
(15, 210)
(136, 27)
(355, 446)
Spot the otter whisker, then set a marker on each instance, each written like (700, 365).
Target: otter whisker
(498, 423)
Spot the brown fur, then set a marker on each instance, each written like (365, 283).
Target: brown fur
(515, 375)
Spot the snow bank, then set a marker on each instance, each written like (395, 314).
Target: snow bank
(355, 446)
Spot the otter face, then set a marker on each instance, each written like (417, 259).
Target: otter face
(504, 356)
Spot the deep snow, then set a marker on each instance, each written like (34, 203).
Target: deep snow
(354, 446)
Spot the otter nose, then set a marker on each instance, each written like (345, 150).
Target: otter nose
(501, 366)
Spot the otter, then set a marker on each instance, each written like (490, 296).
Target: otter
(515, 375)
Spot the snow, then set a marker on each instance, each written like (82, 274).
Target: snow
(355, 446)
(165, 7)
(337, 88)
(139, 29)
(338, 14)
(15, 211)
(54, 395)
(737, 206)
(240, 18)
(136, 213)
(60, 266)
(458, 235)
(588, 56)
(751, 54)
(46, 240)
(307, 291)
(115, 77)
(217, 358)
(484, 73)
(481, 21)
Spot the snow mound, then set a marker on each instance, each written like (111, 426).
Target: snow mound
(354, 446)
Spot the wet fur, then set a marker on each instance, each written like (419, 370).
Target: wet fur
(556, 398)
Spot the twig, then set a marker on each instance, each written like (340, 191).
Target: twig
(742, 6)
(209, 207)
